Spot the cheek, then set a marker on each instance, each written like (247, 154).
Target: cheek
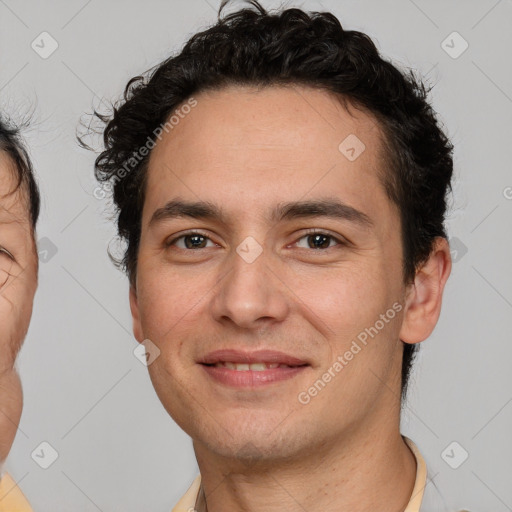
(168, 300)
(16, 302)
(11, 401)
(342, 298)
(345, 306)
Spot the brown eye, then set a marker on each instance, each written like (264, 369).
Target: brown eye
(319, 240)
(192, 240)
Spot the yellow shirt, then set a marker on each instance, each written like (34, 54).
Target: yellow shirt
(188, 501)
(11, 498)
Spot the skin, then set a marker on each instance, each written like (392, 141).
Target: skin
(261, 449)
(18, 283)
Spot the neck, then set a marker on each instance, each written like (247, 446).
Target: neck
(370, 469)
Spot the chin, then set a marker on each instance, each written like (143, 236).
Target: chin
(257, 445)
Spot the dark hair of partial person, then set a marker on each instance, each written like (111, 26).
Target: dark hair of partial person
(289, 47)
(12, 145)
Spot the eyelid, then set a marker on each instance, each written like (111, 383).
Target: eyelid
(182, 234)
(321, 231)
(5, 251)
(311, 231)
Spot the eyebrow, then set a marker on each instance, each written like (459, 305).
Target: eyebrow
(205, 210)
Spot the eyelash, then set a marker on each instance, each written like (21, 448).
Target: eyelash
(309, 232)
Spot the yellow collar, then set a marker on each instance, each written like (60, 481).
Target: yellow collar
(421, 478)
(11, 497)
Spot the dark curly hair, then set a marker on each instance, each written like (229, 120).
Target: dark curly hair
(12, 145)
(258, 48)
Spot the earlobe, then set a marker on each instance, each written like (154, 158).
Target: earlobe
(423, 303)
(134, 308)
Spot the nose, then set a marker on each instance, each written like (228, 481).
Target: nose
(250, 295)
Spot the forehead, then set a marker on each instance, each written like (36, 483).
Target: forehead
(13, 200)
(244, 146)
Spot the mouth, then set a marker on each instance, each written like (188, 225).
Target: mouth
(237, 368)
(255, 367)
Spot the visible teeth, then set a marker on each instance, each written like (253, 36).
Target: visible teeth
(256, 367)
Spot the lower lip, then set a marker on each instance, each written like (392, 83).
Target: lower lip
(251, 378)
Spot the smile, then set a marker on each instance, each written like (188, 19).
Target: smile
(244, 367)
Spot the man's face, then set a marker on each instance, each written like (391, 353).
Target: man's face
(18, 283)
(282, 289)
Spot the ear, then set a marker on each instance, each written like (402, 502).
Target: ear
(134, 308)
(424, 297)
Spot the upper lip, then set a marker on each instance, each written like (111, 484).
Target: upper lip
(256, 356)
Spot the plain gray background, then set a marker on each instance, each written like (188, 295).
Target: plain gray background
(88, 396)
